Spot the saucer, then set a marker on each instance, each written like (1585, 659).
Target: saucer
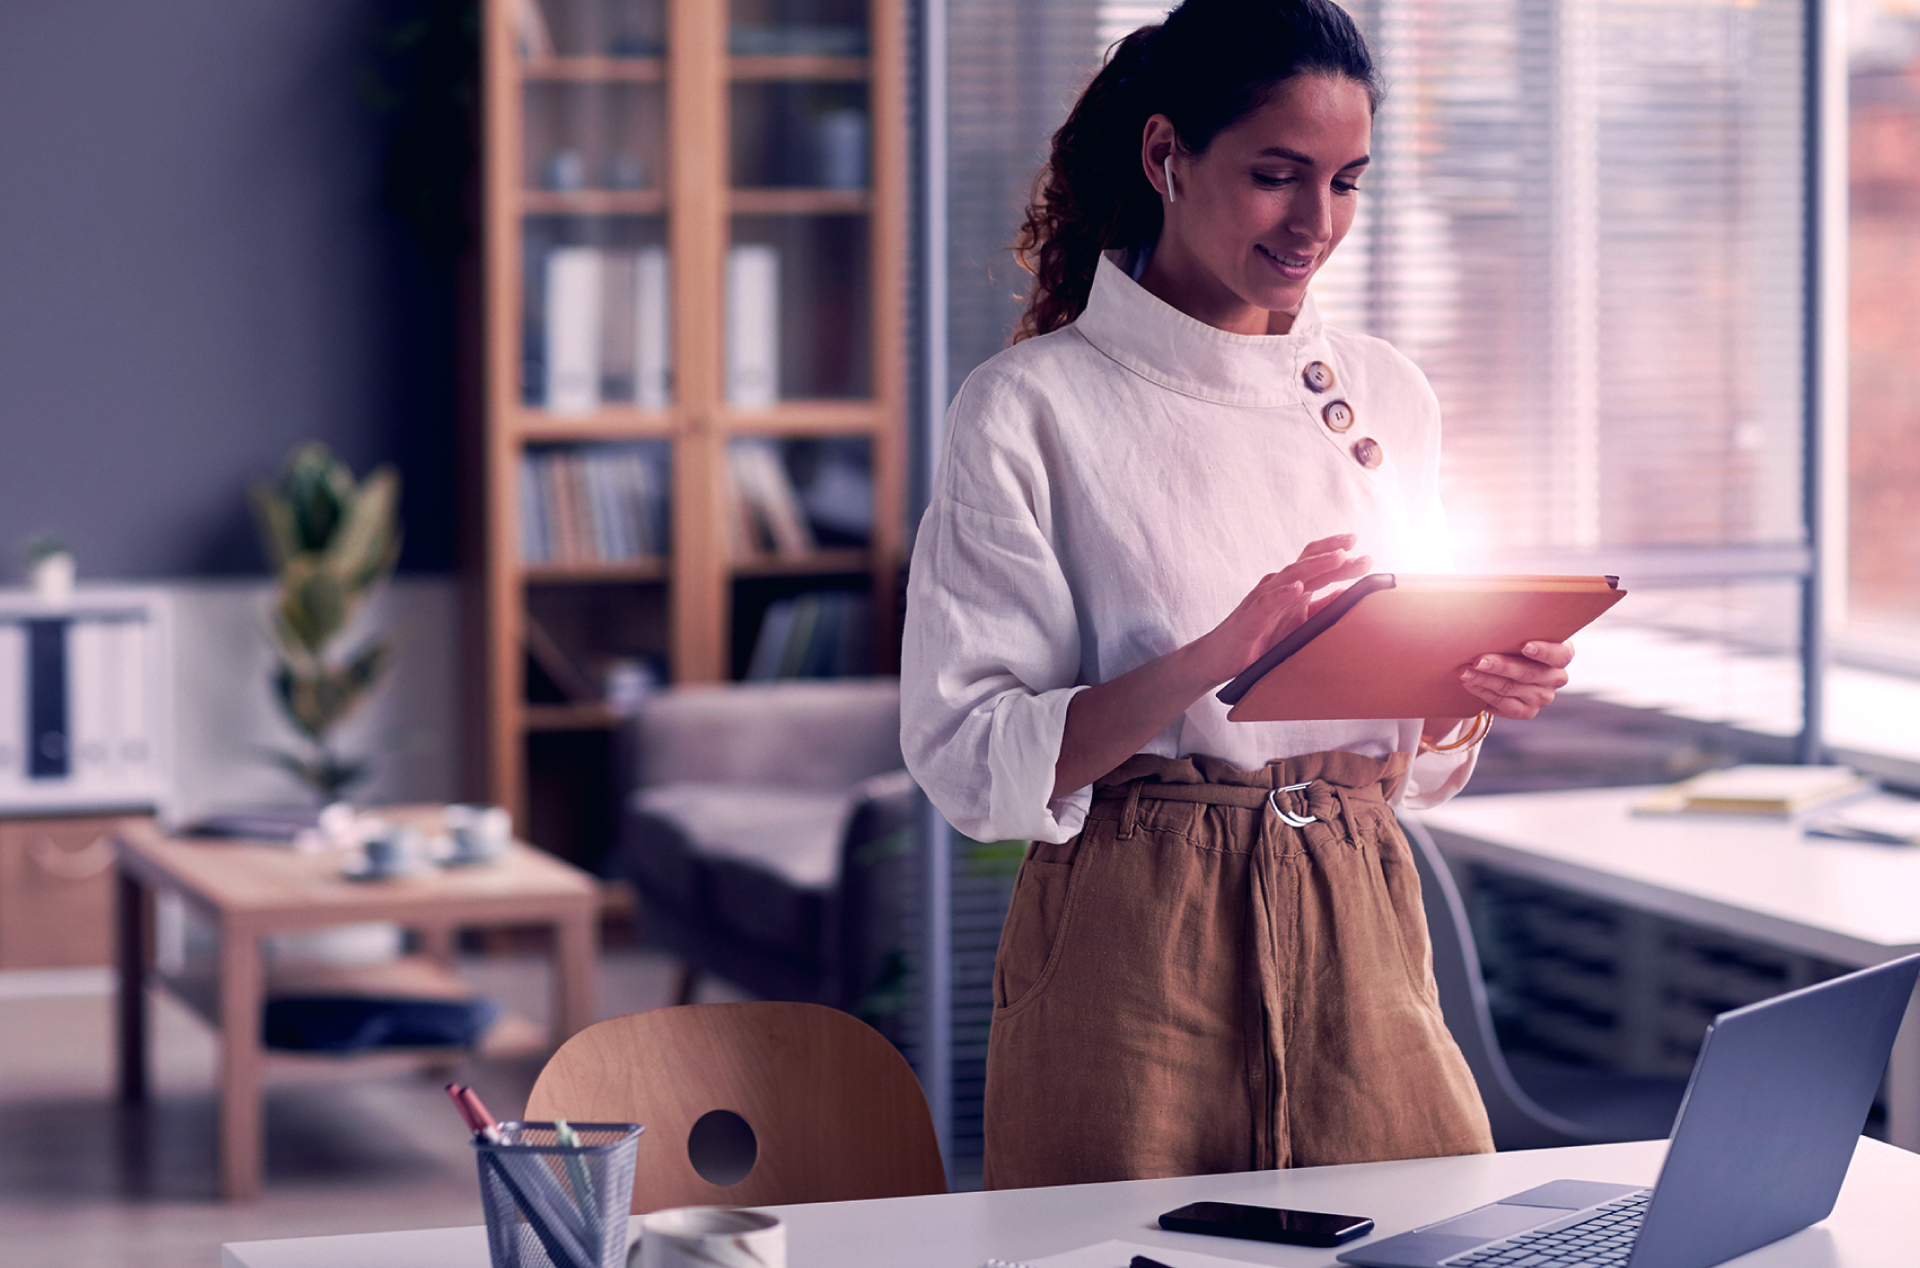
(357, 868)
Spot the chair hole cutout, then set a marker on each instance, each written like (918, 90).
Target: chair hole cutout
(722, 1147)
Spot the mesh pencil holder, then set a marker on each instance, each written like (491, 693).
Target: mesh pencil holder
(550, 1205)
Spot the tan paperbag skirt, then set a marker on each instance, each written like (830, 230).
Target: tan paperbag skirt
(1194, 985)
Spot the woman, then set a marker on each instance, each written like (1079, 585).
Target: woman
(1187, 981)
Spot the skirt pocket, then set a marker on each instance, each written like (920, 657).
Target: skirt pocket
(1029, 941)
(1408, 911)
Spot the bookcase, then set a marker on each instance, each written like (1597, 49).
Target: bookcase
(693, 451)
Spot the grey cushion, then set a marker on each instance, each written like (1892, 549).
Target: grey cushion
(794, 833)
(821, 735)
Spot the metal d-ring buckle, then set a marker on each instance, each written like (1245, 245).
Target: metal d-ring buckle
(1291, 820)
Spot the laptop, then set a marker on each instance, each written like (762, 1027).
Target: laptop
(1772, 1113)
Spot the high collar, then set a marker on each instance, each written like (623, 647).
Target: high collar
(1160, 343)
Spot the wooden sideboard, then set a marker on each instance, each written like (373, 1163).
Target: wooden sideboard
(56, 891)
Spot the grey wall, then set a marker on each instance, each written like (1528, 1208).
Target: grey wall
(197, 273)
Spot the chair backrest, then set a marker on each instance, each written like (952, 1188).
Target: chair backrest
(1518, 1121)
(820, 734)
(831, 1110)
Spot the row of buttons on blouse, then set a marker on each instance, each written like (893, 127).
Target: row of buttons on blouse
(1338, 415)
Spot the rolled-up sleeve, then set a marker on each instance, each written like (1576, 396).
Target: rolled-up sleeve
(988, 666)
(992, 649)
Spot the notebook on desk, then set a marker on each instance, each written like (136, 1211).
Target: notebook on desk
(1779, 1094)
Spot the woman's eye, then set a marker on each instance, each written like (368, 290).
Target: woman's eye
(1346, 187)
(1267, 181)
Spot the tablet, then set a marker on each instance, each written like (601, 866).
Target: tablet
(1392, 645)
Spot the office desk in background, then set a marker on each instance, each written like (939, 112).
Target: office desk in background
(1876, 1223)
(1760, 879)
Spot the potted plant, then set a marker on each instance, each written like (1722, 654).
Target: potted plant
(334, 542)
(49, 567)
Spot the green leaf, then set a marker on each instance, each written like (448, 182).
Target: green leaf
(365, 666)
(286, 691)
(316, 603)
(273, 518)
(327, 774)
(368, 543)
(318, 487)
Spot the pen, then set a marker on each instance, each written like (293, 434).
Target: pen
(478, 1111)
(577, 1172)
(1141, 1261)
(460, 1105)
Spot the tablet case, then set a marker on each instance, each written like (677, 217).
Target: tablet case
(1392, 645)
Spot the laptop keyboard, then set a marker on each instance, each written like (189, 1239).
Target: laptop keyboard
(1603, 1238)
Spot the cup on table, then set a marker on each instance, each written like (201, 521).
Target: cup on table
(480, 834)
(709, 1237)
(392, 852)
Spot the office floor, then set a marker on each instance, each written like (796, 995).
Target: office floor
(348, 1149)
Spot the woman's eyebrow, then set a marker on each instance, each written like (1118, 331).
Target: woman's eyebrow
(1295, 156)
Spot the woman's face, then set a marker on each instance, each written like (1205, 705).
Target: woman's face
(1256, 215)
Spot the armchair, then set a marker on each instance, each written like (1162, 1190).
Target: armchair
(770, 830)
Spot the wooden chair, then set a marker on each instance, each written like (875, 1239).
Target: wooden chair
(831, 1110)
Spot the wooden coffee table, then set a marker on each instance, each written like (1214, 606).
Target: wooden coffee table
(249, 889)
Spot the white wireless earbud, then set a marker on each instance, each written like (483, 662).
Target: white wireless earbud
(1166, 165)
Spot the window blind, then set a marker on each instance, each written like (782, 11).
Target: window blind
(1586, 225)
(1584, 222)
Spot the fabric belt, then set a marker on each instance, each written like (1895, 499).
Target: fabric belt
(1298, 805)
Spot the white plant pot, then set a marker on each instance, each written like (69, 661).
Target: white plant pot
(52, 577)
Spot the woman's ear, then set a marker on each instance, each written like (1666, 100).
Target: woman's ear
(1157, 145)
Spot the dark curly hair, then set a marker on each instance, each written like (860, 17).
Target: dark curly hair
(1209, 64)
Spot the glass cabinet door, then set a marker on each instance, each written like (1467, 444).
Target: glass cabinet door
(798, 321)
(594, 159)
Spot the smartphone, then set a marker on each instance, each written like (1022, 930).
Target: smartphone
(1266, 1223)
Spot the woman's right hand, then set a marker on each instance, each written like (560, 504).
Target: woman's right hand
(1277, 606)
(1109, 723)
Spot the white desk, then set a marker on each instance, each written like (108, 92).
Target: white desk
(1849, 902)
(1875, 1224)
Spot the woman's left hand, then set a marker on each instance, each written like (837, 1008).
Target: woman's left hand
(1520, 686)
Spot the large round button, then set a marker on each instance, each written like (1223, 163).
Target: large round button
(1319, 375)
(1367, 452)
(1338, 415)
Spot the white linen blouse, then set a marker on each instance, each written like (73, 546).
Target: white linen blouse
(1111, 491)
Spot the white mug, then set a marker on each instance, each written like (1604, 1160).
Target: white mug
(709, 1237)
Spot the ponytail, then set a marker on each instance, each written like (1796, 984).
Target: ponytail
(1211, 63)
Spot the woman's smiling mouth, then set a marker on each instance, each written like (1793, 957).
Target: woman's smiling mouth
(1296, 268)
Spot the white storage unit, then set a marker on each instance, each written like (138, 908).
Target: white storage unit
(85, 701)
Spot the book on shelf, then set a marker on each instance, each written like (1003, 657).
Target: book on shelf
(817, 634)
(753, 325)
(572, 315)
(597, 503)
(764, 501)
(619, 324)
(606, 324)
(652, 343)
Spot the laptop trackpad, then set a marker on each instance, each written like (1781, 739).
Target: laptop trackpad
(1489, 1222)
